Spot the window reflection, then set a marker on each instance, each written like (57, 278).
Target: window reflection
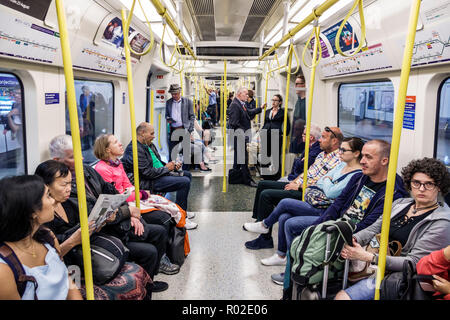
(95, 107)
(443, 131)
(12, 145)
(366, 110)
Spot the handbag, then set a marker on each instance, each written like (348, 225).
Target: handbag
(108, 256)
(175, 245)
(403, 285)
(317, 198)
(361, 269)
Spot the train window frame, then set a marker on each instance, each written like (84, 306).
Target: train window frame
(438, 111)
(24, 121)
(113, 102)
(361, 82)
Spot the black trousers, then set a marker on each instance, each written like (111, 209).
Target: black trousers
(242, 167)
(147, 249)
(268, 195)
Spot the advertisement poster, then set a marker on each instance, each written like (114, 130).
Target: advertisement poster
(34, 8)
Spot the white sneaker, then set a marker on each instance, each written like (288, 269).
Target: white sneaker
(190, 215)
(256, 227)
(274, 260)
(190, 224)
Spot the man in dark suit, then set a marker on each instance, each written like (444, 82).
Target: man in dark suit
(240, 119)
(180, 115)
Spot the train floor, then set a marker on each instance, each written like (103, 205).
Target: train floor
(219, 266)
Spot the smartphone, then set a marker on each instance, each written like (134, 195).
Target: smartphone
(425, 278)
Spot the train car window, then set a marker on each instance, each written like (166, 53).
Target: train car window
(12, 126)
(95, 104)
(366, 109)
(442, 150)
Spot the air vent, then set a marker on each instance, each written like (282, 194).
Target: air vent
(258, 12)
(228, 51)
(203, 7)
(261, 7)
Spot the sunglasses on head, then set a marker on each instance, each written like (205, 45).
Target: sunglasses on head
(327, 129)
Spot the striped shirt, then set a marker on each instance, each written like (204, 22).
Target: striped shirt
(320, 167)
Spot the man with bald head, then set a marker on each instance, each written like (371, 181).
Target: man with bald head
(154, 174)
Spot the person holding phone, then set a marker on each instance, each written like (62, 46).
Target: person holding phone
(434, 269)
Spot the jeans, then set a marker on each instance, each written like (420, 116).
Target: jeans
(286, 209)
(293, 227)
(268, 195)
(179, 184)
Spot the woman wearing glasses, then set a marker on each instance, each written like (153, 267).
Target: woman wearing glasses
(421, 224)
(274, 120)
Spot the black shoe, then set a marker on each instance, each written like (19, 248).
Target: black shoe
(207, 169)
(159, 286)
(259, 243)
(253, 184)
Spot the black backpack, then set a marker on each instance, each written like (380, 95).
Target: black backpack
(235, 176)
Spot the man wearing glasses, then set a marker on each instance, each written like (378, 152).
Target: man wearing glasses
(270, 193)
(299, 119)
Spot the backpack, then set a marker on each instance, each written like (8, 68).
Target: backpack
(307, 252)
(235, 176)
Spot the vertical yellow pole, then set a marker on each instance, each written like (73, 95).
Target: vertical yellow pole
(265, 97)
(396, 134)
(288, 82)
(309, 112)
(152, 107)
(132, 113)
(224, 131)
(79, 173)
(256, 100)
(181, 83)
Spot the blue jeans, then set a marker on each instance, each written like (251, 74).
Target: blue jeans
(179, 184)
(362, 290)
(286, 210)
(295, 226)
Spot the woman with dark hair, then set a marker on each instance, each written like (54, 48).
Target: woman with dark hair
(274, 120)
(25, 205)
(421, 224)
(329, 187)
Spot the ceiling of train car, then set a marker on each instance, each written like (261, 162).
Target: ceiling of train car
(234, 20)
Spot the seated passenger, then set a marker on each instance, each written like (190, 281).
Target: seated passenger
(57, 177)
(147, 242)
(361, 201)
(270, 193)
(332, 185)
(274, 120)
(421, 224)
(154, 175)
(437, 264)
(25, 205)
(198, 150)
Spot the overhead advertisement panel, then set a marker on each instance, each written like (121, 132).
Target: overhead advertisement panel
(34, 8)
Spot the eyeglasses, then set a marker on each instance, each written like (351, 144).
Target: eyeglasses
(427, 185)
(327, 129)
(275, 100)
(344, 150)
(299, 84)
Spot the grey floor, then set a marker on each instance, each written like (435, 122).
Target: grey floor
(219, 266)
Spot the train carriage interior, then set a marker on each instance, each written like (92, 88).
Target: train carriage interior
(90, 68)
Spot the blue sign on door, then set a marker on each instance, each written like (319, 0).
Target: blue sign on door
(51, 98)
(410, 113)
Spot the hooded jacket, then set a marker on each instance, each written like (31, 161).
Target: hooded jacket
(342, 203)
(428, 235)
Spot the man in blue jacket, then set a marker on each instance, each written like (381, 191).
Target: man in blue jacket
(361, 201)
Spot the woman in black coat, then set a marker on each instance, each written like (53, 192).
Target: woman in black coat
(274, 119)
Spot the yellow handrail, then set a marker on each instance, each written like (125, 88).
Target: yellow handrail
(173, 52)
(152, 106)
(132, 116)
(127, 27)
(159, 131)
(317, 45)
(298, 63)
(358, 3)
(396, 134)
(286, 106)
(311, 17)
(79, 172)
(224, 132)
(316, 39)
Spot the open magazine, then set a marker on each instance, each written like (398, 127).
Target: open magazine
(105, 206)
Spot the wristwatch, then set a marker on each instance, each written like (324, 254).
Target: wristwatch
(374, 259)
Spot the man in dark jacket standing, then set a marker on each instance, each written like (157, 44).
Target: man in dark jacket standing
(180, 115)
(240, 119)
(154, 174)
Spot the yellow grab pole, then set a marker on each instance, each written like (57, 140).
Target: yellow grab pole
(181, 82)
(221, 101)
(396, 134)
(265, 97)
(256, 101)
(283, 150)
(132, 116)
(309, 112)
(79, 172)
(159, 131)
(224, 132)
(152, 106)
